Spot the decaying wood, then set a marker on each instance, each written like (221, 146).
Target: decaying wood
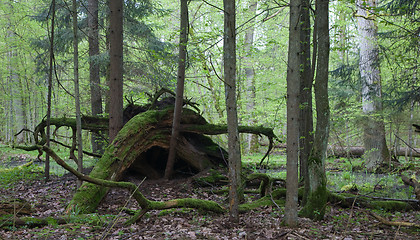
(357, 151)
(90, 123)
(142, 145)
(393, 223)
(143, 202)
(15, 206)
(414, 183)
(31, 222)
(347, 200)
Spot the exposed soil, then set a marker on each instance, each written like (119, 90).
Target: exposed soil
(50, 199)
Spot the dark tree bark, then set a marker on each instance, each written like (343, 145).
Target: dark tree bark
(179, 88)
(293, 86)
(305, 98)
(316, 189)
(229, 58)
(50, 76)
(94, 77)
(116, 68)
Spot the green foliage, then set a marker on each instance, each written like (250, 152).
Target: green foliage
(150, 47)
(9, 177)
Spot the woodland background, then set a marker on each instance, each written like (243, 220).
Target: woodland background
(150, 48)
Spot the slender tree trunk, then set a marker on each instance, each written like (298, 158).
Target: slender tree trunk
(305, 97)
(50, 77)
(17, 108)
(76, 93)
(252, 139)
(94, 77)
(229, 58)
(116, 68)
(317, 191)
(374, 130)
(293, 86)
(183, 39)
(108, 66)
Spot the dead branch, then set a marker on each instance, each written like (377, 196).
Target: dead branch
(393, 223)
(211, 129)
(143, 202)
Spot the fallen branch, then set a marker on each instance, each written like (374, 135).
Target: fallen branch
(393, 223)
(143, 202)
(211, 129)
(30, 222)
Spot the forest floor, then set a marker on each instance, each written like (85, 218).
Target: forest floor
(51, 198)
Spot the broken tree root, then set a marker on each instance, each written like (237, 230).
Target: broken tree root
(143, 202)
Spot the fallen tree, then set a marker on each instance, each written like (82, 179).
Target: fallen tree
(142, 145)
(357, 151)
(143, 202)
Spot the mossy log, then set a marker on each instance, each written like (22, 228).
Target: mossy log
(347, 200)
(142, 146)
(358, 151)
(15, 206)
(143, 202)
(7, 221)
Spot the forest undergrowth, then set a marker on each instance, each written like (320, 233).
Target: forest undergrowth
(265, 222)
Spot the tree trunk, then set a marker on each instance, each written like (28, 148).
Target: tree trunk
(305, 97)
(50, 77)
(293, 86)
(116, 68)
(374, 129)
(317, 193)
(94, 77)
(229, 58)
(250, 75)
(76, 93)
(183, 39)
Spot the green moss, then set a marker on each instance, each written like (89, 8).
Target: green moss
(316, 204)
(281, 193)
(390, 205)
(262, 202)
(212, 179)
(166, 212)
(199, 204)
(89, 195)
